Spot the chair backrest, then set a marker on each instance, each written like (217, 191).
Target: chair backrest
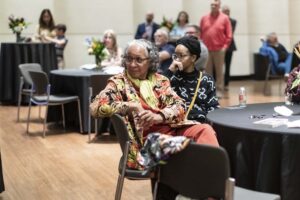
(98, 83)
(120, 129)
(40, 82)
(199, 171)
(25, 68)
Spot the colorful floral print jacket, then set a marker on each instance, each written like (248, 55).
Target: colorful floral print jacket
(120, 91)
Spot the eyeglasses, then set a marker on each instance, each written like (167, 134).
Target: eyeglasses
(179, 57)
(190, 33)
(138, 60)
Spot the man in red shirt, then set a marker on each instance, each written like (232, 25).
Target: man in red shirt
(216, 33)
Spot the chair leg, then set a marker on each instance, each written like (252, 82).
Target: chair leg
(96, 126)
(45, 121)
(119, 187)
(63, 115)
(40, 111)
(19, 98)
(267, 79)
(89, 128)
(79, 115)
(28, 117)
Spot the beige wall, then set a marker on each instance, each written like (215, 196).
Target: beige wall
(91, 17)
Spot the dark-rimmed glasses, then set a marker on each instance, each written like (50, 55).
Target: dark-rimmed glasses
(179, 56)
(138, 60)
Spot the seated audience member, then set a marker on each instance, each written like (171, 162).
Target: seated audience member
(46, 27)
(179, 29)
(146, 30)
(115, 52)
(146, 101)
(281, 59)
(194, 30)
(185, 79)
(60, 43)
(166, 50)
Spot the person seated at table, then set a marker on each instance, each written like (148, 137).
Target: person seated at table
(178, 30)
(281, 59)
(46, 27)
(146, 101)
(111, 45)
(60, 43)
(195, 87)
(161, 38)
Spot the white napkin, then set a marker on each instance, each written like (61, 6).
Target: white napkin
(294, 124)
(283, 110)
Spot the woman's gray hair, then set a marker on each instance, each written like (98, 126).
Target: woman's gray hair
(150, 49)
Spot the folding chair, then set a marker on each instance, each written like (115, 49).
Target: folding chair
(124, 172)
(202, 171)
(95, 88)
(40, 95)
(25, 78)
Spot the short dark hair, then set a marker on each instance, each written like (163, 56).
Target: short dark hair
(197, 28)
(62, 27)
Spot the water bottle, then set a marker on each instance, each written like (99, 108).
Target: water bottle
(242, 97)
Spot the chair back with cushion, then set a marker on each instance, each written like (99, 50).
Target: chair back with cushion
(202, 171)
(40, 83)
(25, 68)
(199, 171)
(124, 172)
(97, 84)
(121, 130)
(25, 78)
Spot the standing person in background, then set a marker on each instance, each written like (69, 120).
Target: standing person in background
(179, 29)
(115, 52)
(231, 48)
(60, 43)
(46, 27)
(194, 30)
(146, 30)
(216, 33)
(166, 50)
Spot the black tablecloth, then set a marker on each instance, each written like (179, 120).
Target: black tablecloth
(262, 158)
(74, 82)
(13, 54)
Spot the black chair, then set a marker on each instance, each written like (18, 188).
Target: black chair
(269, 75)
(25, 79)
(263, 71)
(124, 172)
(95, 88)
(202, 171)
(40, 95)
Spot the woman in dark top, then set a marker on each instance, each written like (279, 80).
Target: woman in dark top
(184, 79)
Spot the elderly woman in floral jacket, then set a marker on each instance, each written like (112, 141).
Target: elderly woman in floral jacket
(146, 101)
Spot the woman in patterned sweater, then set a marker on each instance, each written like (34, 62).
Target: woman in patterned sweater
(184, 79)
(148, 96)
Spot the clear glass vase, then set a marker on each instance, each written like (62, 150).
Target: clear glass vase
(18, 37)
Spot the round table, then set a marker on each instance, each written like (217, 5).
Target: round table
(74, 82)
(262, 158)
